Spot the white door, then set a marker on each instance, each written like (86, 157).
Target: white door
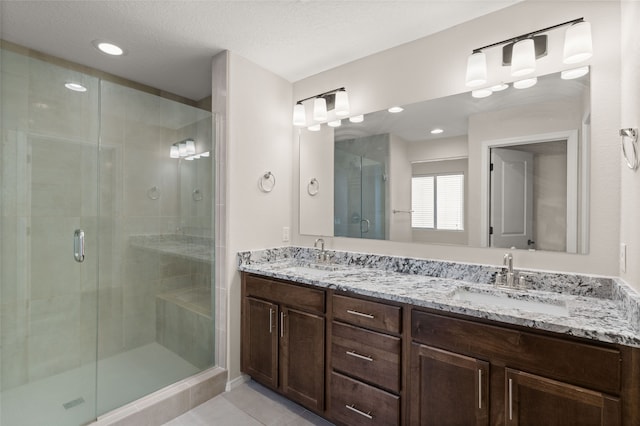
(511, 199)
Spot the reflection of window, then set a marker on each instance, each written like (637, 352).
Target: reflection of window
(437, 202)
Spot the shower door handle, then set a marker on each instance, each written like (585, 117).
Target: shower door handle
(365, 222)
(78, 245)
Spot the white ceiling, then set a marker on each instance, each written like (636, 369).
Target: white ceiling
(170, 43)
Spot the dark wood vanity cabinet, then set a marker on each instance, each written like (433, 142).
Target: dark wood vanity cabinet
(283, 338)
(471, 373)
(366, 362)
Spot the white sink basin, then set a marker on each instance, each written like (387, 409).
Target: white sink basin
(556, 308)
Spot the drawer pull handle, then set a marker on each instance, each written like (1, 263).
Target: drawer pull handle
(357, 355)
(360, 314)
(282, 315)
(353, 408)
(270, 320)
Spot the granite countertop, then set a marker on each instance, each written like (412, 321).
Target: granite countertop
(183, 246)
(596, 308)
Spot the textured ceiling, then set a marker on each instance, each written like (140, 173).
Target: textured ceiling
(170, 43)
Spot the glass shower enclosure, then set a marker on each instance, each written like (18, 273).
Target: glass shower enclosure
(106, 242)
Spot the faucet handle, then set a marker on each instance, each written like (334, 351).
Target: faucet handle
(499, 279)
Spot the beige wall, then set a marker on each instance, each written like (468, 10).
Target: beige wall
(258, 139)
(630, 181)
(409, 73)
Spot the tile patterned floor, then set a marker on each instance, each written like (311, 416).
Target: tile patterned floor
(250, 404)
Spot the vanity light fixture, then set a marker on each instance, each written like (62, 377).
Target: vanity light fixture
(336, 100)
(335, 123)
(314, 128)
(499, 87)
(357, 118)
(521, 53)
(76, 87)
(395, 109)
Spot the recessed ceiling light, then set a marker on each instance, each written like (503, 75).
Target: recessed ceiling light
(108, 48)
(481, 93)
(574, 73)
(436, 131)
(335, 123)
(395, 109)
(357, 118)
(499, 87)
(76, 87)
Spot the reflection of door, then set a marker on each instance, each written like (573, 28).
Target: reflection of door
(359, 197)
(511, 198)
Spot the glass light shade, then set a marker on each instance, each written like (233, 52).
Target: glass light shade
(299, 115)
(191, 146)
(182, 149)
(320, 109)
(574, 73)
(357, 118)
(481, 93)
(577, 43)
(523, 60)
(175, 152)
(526, 83)
(499, 87)
(342, 103)
(335, 123)
(314, 128)
(476, 70)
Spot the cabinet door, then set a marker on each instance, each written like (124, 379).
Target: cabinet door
(535, 400)
(260, 341)
(447, 388)
(302, 357)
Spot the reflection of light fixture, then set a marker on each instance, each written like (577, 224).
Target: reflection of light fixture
(395, 109)
(522, 51)
(314, 128)
(526, 83)
(574, 73)
(436, 131)
(357, 118)
(499, 87)
(76, 87)
(336, 100)
(481, 93)
(183, 149)
(577, 43)
(205, 154)
(335, 123)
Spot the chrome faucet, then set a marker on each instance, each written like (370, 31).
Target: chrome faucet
(507, 262)
(322, 256)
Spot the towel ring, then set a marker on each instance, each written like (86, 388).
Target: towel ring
(266, 182)
(313, 187)
(153, 193)
(630, 154)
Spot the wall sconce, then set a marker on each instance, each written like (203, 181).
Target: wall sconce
(336, 100)
(183, 148)
(521, 53)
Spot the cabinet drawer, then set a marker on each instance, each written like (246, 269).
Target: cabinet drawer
(367, 355)
(367, 314)
(292, 295)
(578, 363)
(355, 403)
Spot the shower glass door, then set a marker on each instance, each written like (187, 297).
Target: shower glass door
(48, 298)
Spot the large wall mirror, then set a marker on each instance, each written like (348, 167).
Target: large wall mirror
(509, 170)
